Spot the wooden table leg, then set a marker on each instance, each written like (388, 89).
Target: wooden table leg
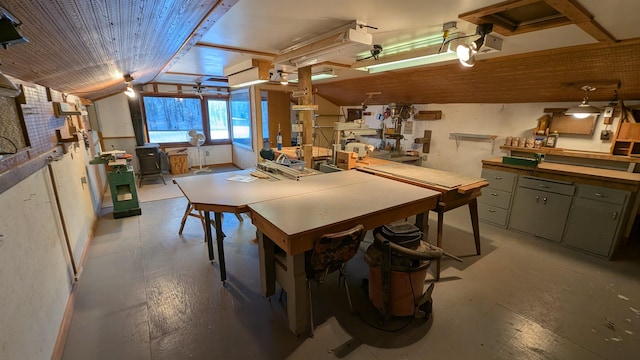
(267, 264)
(297, 299)
(473, 210)
(219, 239)
(422, 222)
(439, 240)
(184, 217)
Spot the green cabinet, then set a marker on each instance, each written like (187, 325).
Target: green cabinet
(595, 218)
(541, 207)
(495, 202)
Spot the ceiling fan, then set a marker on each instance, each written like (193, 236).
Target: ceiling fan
(199, 88)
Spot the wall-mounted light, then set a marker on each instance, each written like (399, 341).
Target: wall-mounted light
(129, 90)
(584, 110)
(467, 53)
(284, 78)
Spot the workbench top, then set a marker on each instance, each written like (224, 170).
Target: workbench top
(571, 170)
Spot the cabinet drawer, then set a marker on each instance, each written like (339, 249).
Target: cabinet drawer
(500, 180)
(546, 185)
(494, 197)
(600, 193)
(492, 214)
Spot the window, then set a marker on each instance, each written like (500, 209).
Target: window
(169, 119)
(218, 119)
(240, 109)
(265, 118)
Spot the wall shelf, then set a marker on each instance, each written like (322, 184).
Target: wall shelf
(477, 137)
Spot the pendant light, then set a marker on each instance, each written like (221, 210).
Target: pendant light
(584, 110)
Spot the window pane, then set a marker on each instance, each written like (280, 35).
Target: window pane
(218, 119)
(170, 119)
(241, 117)
(265, 118)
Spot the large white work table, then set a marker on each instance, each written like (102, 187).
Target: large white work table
(292, 214)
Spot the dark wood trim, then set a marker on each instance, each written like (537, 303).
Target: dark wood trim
(15, 175)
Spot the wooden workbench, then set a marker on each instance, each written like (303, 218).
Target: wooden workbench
(455, 190)
(332, 202)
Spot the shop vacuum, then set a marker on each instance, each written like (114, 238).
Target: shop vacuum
(398, 261)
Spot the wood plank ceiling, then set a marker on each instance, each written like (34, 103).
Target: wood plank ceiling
(85, 47)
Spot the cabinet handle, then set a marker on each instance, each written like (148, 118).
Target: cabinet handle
(537, 199)
(615, 215)
(491, 211)
(498, 177)
(599, 195)
(494, 194)
(544, 200)
(543, 186)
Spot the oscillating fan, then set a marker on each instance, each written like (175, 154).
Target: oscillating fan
(197, 139)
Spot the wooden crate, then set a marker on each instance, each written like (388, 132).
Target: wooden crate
(178, 163)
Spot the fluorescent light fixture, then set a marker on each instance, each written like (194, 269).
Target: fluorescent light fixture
(430, 50)
(7, 88)
(320, 75)
(584, 110)
(247, 73)
(248, 77)
(418, 61)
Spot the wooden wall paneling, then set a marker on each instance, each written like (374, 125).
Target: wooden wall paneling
(567, 124)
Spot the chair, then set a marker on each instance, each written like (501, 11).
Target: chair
(331, 252)
(151, 161)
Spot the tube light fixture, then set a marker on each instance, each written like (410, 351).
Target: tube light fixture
(320, 75)
(584, 110)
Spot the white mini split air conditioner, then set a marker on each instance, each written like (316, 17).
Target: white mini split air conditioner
(347, 40)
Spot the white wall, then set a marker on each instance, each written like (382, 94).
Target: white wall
(490, 119)
(35, 267)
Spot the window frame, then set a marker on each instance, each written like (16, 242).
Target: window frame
(206, 129)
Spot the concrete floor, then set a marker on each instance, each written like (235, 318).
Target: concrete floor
(148, 293)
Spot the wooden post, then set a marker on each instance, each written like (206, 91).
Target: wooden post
(304, 79)
(306, 116)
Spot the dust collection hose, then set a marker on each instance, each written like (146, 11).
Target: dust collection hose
(433, 253)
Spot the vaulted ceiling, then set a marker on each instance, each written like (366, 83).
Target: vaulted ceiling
(86, 47)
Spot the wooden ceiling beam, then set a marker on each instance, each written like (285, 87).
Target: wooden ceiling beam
(235, 49)
(571, 11)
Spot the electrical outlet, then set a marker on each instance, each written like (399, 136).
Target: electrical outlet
(206, 153)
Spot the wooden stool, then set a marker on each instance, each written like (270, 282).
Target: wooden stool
(191, 211)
